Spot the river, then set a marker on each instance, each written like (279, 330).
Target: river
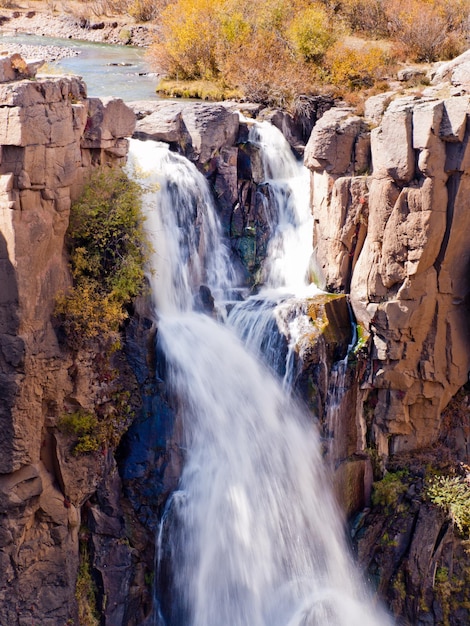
(119, 71)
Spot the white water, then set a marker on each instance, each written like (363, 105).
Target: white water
(253, 534)
(260, 320)
(290, 246)
(185, 232)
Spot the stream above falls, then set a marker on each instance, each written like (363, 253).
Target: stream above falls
(108, 70)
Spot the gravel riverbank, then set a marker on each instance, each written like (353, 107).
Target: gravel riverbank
(67, 27)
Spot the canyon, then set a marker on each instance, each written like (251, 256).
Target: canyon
(389, 201)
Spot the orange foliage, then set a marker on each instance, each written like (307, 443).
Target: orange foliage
(353, 68)
(267, 49)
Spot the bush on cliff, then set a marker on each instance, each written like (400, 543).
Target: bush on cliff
(108, 250)
(452, 493)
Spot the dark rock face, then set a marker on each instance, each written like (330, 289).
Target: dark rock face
(212, 136)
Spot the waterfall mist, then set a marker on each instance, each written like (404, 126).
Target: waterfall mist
(252, 537)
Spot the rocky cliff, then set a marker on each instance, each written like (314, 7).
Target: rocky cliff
(390, 202)
(389, 198)
(51, 136)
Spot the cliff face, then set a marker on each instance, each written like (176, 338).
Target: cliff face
(389, 197)
(391, 228)
(51, 136)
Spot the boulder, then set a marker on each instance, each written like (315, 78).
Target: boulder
(330, 147)
(109, 119)
(375, 106)
(199, 130)
(445, 71)
(391, 143)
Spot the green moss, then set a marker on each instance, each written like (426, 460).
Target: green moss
(362, 338)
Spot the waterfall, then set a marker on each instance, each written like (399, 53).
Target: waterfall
(259, 319)
(252, 537)
(188, 251)
(288, 181)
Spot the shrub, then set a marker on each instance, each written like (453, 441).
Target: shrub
(244, 46)
(189, 37)
(143, 10)
(354, 68)
(388, 491)
(429, 31)
(108, 250)
(310, 33)
(452, 493)
(85, 591)
(84, 427)
(368, 17)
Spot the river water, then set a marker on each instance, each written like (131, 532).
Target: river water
(252, 536)
(119, 71)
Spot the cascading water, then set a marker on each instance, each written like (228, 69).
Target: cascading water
(252, 536)
(291, 221)
(257, 319)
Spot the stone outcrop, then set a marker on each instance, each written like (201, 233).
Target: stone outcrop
(392, 232)
(51, 137)
(200, 131)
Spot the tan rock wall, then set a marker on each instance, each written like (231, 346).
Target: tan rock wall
(397, 238)
(51, 136)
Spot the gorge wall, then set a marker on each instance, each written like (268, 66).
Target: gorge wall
(390, 228)
(389, 199)
(51, 137)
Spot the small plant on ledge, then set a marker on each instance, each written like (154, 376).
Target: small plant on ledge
(108, 251)
(452, 493)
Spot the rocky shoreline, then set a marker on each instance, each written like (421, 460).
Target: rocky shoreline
(67, 27)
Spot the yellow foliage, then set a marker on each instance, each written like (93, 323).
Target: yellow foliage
(355, 69)
(429, 30)
(366, 16)
(253, 47)
(265, 73)
(190, 32)
(108, 250)
(310, 33)
(87, 315)
(143, 10)
(258, 47)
